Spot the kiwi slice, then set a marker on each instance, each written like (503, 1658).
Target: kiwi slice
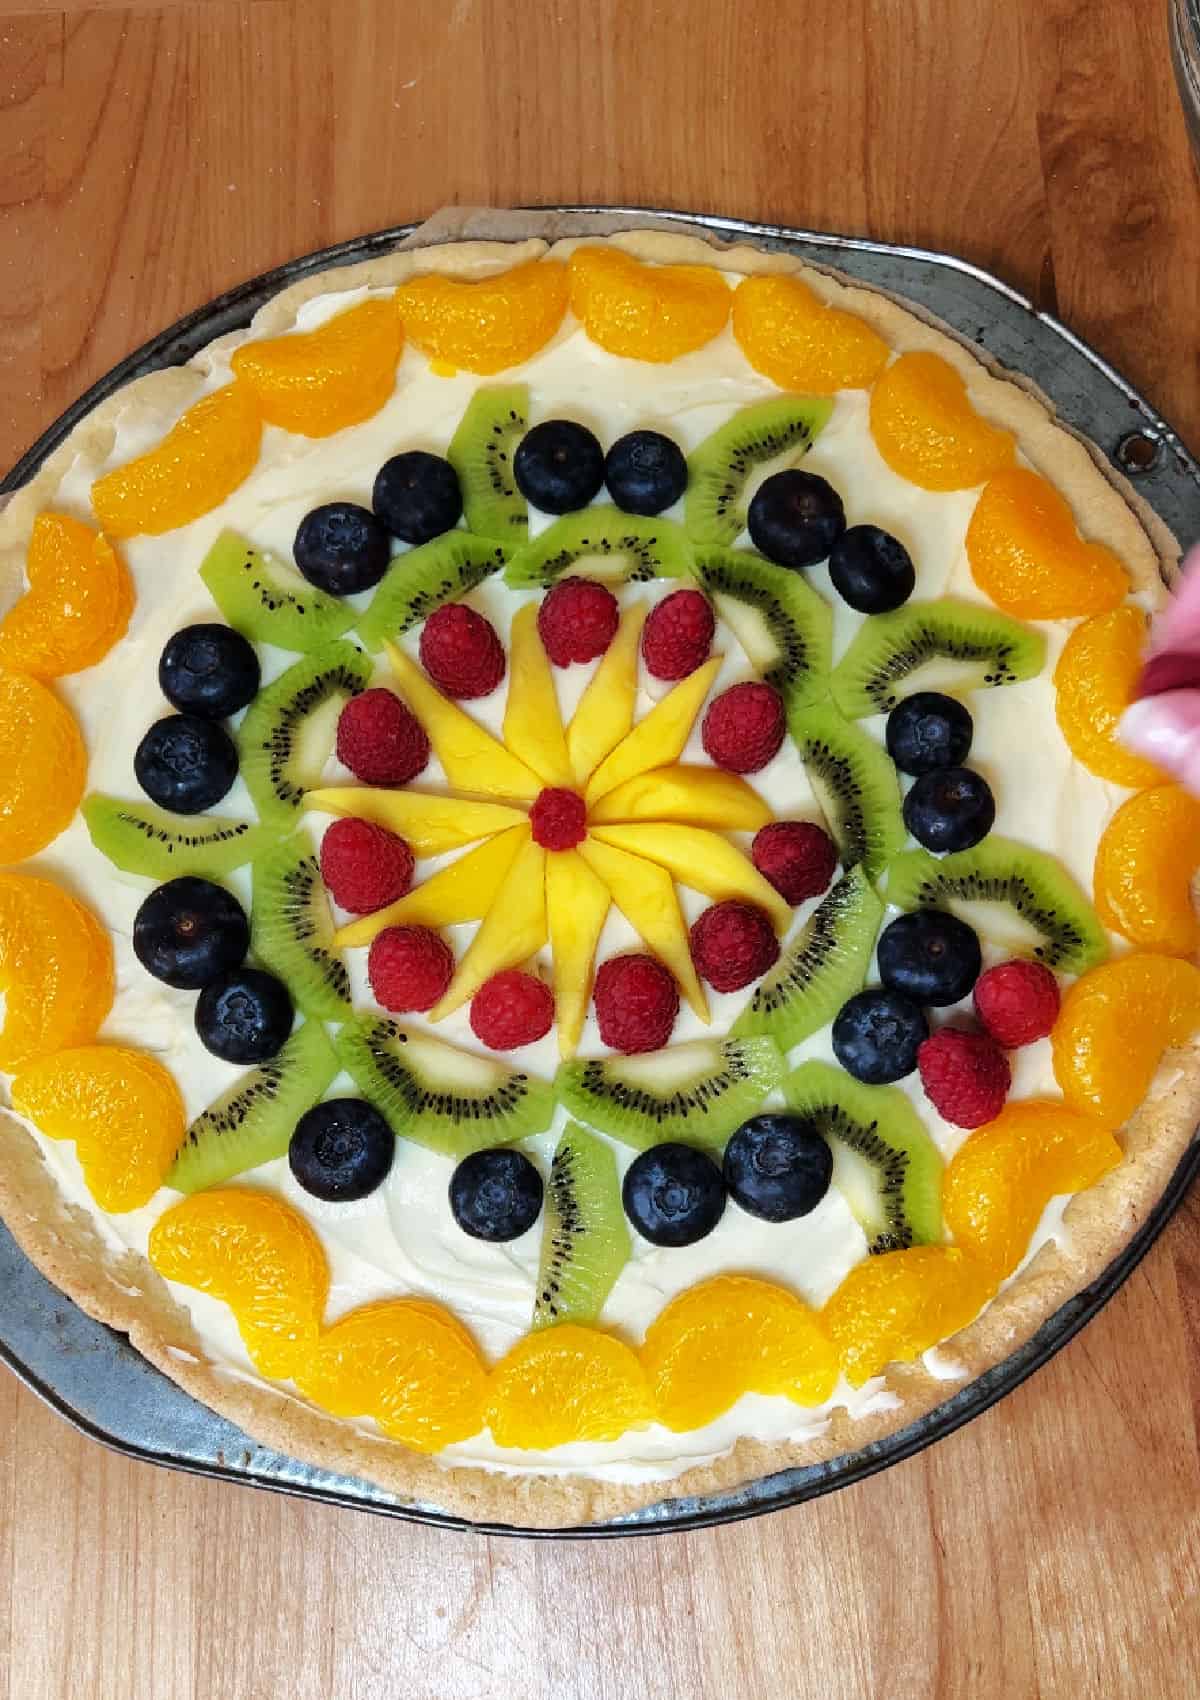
(782, 429)
(855, 783)
(254, 1121)
(933, 646)
(448, 1100)
(141, 838)
(1023, 900)
(585, 1240)
(885, 1165)
(291, 929)
(820, 968)
(268, 600)
(422, 579)
(481, 452)
(602, 543)
(289, 730)
(699, 1092)
(783, 625)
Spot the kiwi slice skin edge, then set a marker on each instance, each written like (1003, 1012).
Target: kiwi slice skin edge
(270, 735)
(291, 929)
(141, 838)
(481, 453)
(602, 542)
(265, 598)
(799, 621)
(585, 1238)
(424, 578)
(719, 468)
(970, 646)
(856, 784)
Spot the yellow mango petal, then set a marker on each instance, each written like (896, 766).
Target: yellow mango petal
(533, 728)
(472, 759)
(201, 460)
(698, 796)
(659, 738)
(428, 823)
(464, 891)
(645, 895)
(702, 860)
(513, 929)
(604, 713)
(318, 382)
(577, 905)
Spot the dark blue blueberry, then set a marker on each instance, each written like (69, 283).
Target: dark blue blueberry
(341, 1150)
(949, 809)
(931, 957)
(189, 931)
(244, 1016)
(209, 671)
(645, 472)
(778, 1167)
(927, 731)
(871, 569)
(417, 496)
(796, 518)
(342, 548)
(559, 466)
(496, 1195)
(673, 1194)
(186, 764)
(876, 1036)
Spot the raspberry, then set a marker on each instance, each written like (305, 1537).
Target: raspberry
(409, 968)
(512, 1009)
(636, 1003)
(732, 944)
(558, 819)
(1017, 1002)
(796, 857)
(678, 635)
(461, 652)
(364, 866)
(380, 740)
(965, 1076)
(743, 728)
(577, 621)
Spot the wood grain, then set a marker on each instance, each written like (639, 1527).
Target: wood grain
(153, 154)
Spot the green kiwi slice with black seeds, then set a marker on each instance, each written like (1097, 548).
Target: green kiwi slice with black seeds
(855, 784)
(782, 429)
(933, 646)
(141, 838)
(422, 579)
(267, 599)
(585, 1238)
(604, 543)
(481, 452)
(785, 628)
(290, 728)
(291, 929)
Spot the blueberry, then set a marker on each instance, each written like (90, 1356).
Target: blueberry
(559, 466)
(778, 1167)
(244, 1016)
(931, 957)
(185, 764)
(796, 518)
(496, 1195)
(341, 1150)
(673, 1194)
(342, 548)
(417, 496)
(949, 809)
(876, 1035)
(928, 731)
(209, 671)
(645, 472)
(189, 931)
(871, 569)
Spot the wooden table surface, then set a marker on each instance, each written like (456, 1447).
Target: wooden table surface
(153, 154)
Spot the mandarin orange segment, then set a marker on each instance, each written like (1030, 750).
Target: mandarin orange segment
(646, 312)
(201, 460)
(1095, 679)
(999, 1181)
(78, 602)
(409, 1364)
(734, 1335)
(1026, 555)
(122, 1109)
(1114, 1026)
(792, 337)
(261, 1258)
(56, 970)
(1145, 863)
(566, 1384)
(43, 767)
(891, 1308)
(487, 325)
(318, 382)
(926, 429)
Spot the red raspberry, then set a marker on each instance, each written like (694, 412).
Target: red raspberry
(732, 944)
(364, 866)
(636, 1003)
(461, 652)
(965, 1076)
(409, 968)
(678, 635)
(796, 856)
(744, 727)
(558, 818)
(380, 740)
(1017, 1002)
(512, 1009)
(577, 621)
